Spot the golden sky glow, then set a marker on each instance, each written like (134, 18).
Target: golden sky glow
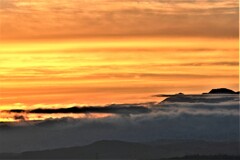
(65, 52)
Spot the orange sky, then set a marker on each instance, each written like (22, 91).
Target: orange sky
(67, 52)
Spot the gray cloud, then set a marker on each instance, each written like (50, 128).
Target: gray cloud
(207, 120)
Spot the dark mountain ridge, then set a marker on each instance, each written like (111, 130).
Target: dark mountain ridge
(222, 91)
(111, 149)
(214, 96)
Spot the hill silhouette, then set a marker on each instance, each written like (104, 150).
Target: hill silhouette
(215, 96)
(111, 149)
(222, 91)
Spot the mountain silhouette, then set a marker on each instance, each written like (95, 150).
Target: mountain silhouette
(111, 149)
(214, 96)
(222, 91)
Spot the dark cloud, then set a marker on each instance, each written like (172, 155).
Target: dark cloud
(112, 109)
(19, 117)
(17, 111)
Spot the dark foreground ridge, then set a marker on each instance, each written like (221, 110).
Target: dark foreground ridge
(207, 157)
(111, 149)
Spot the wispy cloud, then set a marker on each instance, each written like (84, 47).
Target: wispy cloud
(193, 18)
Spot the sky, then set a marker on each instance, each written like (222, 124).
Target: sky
(63, 53)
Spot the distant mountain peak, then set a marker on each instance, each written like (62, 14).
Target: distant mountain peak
(222, 91)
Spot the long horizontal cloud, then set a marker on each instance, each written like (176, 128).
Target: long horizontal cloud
(138, 49)
(122, 76)
(206, 104)
(112, 109)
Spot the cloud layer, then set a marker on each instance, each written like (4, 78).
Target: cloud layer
(78, 18)
(212, 118)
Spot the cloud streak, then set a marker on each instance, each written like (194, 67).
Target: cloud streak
(118, 18)
(113, 109)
